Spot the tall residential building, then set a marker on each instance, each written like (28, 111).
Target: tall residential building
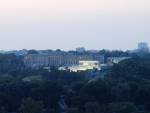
(143, 47)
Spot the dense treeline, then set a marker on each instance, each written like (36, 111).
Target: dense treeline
(124, 89)
(10, 63)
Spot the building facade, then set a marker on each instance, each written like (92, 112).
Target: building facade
(59, 59)
(85, 65)
(143, 47)
(80, 49)
(116, 60)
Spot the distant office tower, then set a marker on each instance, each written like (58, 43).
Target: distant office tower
(80, 49)
(143, 47)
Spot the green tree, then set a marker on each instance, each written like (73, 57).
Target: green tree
(94, 107)
(31, 106)
(33, 52)
(123, 107)
(2, 110)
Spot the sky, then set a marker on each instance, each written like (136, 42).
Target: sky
(67, 24)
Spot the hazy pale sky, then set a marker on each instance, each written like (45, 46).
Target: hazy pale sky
(67, 24)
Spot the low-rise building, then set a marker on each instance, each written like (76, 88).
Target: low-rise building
(59, 59)
(83, 66)
(116, 60)
(80, 49)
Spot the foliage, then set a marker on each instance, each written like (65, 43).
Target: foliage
(31, 106)
(125, 87)
(123, 107)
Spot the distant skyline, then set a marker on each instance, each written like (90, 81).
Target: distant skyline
(67, 24)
